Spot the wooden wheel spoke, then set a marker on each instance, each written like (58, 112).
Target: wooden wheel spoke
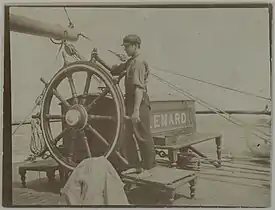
(61, 98)
(76, 118)
(54, 117)
(85, 139)
(90, 128)
(86, 88)
(100, 117)
(102, 94)
(73, 89)
(87, 84)
(61, 135)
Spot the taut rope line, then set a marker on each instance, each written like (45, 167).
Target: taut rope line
(207, 106)
(203, 103)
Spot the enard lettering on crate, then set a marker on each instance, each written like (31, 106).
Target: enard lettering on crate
(170, 115)
(162, 120)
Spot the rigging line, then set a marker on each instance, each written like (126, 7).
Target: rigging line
(25, 119)
(59, 50)
(190, 96)
(222, 115)
(36, 104)
(267, 140)
(71, 25)
(180, 90)
(199, 80)
(192, 78)
(210, 83)
(56, 42)
(201, 100)
(214, 107)
(86, 37)
(235, 119)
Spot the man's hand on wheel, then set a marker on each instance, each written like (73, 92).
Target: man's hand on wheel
(122, 57)
(135, 117)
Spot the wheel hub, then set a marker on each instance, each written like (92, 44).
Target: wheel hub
(77, 117)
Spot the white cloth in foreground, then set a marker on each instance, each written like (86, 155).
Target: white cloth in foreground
(94, 182)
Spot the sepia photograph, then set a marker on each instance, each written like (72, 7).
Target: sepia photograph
(137, 105)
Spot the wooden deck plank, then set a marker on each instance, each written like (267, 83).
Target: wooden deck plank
(162, 175)
(211, 189)
(24, 196)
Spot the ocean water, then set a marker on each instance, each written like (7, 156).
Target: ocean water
(234, 138)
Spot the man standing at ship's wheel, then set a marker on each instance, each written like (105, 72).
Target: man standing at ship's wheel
(137, 105)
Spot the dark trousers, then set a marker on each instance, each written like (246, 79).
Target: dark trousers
(146, 147)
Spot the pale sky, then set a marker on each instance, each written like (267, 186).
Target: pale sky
(229, 47)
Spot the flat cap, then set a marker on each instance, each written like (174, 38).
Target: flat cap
(131, 39)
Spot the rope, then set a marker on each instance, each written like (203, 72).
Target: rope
(211, 108)
(205, 104)
(26, 118)
(56, 41)
(71, 25)
(182, 75)
(188, 77)
(37, 144)
(59, 50)
(85, 37)
(210, 83)
(178, 74)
